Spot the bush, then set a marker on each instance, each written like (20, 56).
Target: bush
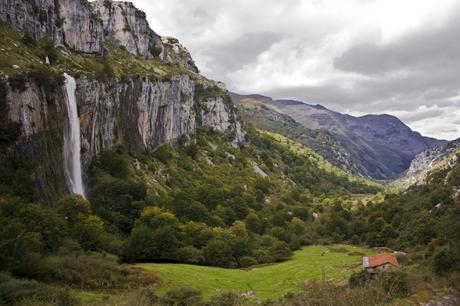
(247, 261)
(47, 79)
(155, 51)
(395, 283)
(190, 254)
(28, 40)
(18, 82)
(446, 261)
(14, 290)
(91, 272)
(182, 297)
(219, 253)
(47, 49)
(359, 279)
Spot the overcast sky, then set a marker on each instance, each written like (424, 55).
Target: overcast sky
(400, 57)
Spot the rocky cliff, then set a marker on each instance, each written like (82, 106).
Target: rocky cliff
(136, 88)
(429, 160)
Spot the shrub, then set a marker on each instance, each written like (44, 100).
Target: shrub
(190, 254)
(14, 290)
(182, 297)
(359, 279)
(28, 40)
(247, 261)
(47, 79)
(18, 82)
(91, 272)
(219, 253)
(155, 50)
(164, 153)
(47, 49)
(445, 261)
(395, 283)
(228, 299)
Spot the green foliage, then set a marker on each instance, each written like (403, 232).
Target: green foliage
(46, 49)
(47, 79)
(28, 40)
(13, 291)
(9, 131)
(446, 260)
(267, 281)
(182, 297)
(92, 271)
(18, 82)
(115, 197)
(155, 50)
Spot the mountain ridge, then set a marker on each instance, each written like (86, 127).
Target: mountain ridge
(382, 144)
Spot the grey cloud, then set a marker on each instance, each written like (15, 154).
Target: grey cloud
(426, 48)
(420, 115)
(237, 53)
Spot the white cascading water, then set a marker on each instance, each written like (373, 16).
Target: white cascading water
(72, 159)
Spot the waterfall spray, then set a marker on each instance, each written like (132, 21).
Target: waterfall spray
(72, 158)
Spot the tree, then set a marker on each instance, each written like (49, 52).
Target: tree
(219, 253)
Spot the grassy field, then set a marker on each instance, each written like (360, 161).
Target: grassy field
(268, 281)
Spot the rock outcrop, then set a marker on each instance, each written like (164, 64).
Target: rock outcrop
(435, 158)
(127, 26)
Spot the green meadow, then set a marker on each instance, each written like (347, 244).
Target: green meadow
(269, 281)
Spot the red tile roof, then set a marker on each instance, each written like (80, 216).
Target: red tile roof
(379, 260)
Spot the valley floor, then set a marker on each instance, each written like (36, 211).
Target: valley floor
(335, 262)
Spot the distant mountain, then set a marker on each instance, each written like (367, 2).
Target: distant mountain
(381, 145)
(255, 110)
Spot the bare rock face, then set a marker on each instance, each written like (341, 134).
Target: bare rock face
(37, 18)
(82, 29)
(431, 159)
(43, 122)
(142, 113)
(69, 22)
(127, 27)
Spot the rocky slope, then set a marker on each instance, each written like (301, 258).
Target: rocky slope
(444, 156)
(381, 145)
(137, 88)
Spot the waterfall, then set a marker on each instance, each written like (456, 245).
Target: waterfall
(72, 160)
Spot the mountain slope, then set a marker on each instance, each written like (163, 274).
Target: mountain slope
(384, 145)
(427, 161)
(266, 117)
(381, 145)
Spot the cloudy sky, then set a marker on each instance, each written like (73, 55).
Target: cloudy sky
(400, 57)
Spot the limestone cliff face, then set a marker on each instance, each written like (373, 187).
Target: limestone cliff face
(43, 121)
(140, 111)
(37, 18)
(68, 22)
(423, 163)
(127, 26)
(83, 27)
